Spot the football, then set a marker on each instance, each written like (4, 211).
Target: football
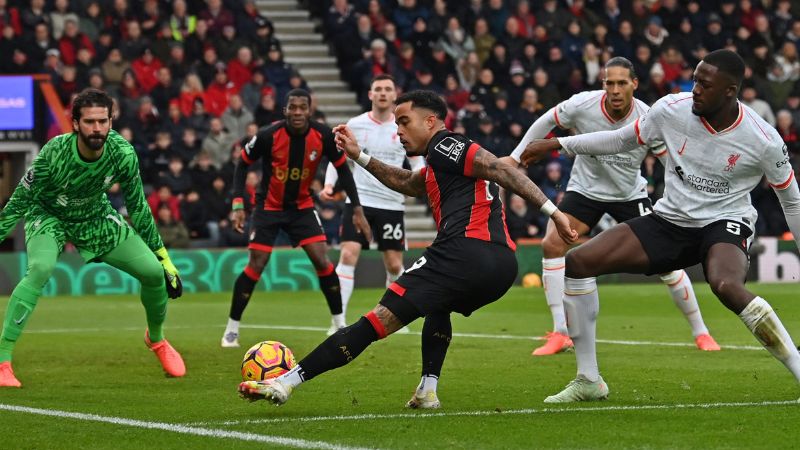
(267, 359)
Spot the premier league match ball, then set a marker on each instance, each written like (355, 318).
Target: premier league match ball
(267, 359)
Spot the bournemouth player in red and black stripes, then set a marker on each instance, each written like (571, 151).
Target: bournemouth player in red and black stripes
(471, 263)
(290, 152)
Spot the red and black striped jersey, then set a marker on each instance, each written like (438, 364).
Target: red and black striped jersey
(463, 206)
(289, 164)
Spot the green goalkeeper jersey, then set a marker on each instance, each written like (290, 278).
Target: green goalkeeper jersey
(61, 185)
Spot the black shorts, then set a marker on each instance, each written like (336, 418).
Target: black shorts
(303, 227)
(388, 228)
(590, 211)
(458, 275)
(671, 247)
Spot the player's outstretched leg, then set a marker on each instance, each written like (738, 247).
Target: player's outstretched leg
(682, 293)
(557, 340)
(437, 331)
(134, 257)
(346, 274)
(243, 291)
(392, 274)
(337, 350)
(42, 256)
(582, 304)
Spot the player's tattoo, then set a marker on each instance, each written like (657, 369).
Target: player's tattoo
(398, 179)
(488, 167)
(390, 322)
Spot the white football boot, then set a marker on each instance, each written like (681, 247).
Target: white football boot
(230, 340)
(270, 390)
(424, 400)
(581, 390)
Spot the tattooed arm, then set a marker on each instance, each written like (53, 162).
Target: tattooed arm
(398, 179)
(487, 166)
(395, 178)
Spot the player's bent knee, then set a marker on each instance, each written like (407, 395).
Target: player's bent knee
(725, 287)
(150, 274)
(39, 271)
(553, 246)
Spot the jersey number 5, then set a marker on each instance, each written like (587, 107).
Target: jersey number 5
(734, 228)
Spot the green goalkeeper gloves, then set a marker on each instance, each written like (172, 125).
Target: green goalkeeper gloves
(171, 276)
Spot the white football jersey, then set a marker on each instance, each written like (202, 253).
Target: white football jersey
(379, 140)
(606, 178)
(709, 173)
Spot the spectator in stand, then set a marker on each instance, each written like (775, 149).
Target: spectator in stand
(529, 109)
(37, 45)
(468, 70)
(407, 13)
(236, 117)
(455, 41)
(191, 90)
(162, 196)
(197, 42)
(32, 15)
(438, 17)
(573, 43)
(217, 17)
(339, 20)
(277, 72)
(672, 63)
(240, 69)
(489, 139)
(526, 20)
(175, 122)
(229, 43)
(193, 212)
(502, 115)
(203, 172)
(378, 62)
(154, 162)
(499, 63)
(554, 18)
(218, 142)
(264, 38)
(117, 19)
(218, 92)
(624, 42)
(392, 40)
(188, 145)
(249, 19)
(72, 40)
(421, 38)
(761, 107)
(555, 182)
(10, 17)
(455, 95)
(161, 43)
(354, 42)
(59, 15)
(267, 111)
(440, 64)
(67, 86)
(511, 38)
(114, 68)
(470, 114)
(146, 69)
(408, 64)
(424, 81)
(484, 40)
(206, 68)
(176, 176)
(486, 88)
(296, 81)
(522, 221)
(251, 91)
(135, 43)
(145, 120)
(376, 16)
(181, 22)
(714, 37)
(216, 201)
(656, 87)
(165, 90)
(173, 232)
(787, 128)
(199, 120)
(590, 67)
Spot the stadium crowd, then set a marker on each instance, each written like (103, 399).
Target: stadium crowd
(193, 79)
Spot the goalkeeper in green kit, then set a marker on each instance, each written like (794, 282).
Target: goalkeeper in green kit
(62, 197)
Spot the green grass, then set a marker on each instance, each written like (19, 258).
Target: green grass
(85, 355)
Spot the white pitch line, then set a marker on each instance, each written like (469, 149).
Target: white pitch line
(527, 411)
(413, 333)
(182, 429)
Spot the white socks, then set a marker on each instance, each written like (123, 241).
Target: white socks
(762, 321)
(553, 280)
(346, 275)
(581, 303)
(428, 383)
(292, 378)
(337, 320)
(233, 326)
(680, 288)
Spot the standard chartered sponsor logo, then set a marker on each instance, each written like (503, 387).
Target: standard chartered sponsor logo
(709, 185)
(615, 160)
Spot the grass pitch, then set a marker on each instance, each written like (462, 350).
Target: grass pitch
(89, 382)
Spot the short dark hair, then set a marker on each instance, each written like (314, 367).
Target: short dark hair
(383, 76)
(727, 62)
(425, 99)
(91, 97)
(625, 63)
(298, 92)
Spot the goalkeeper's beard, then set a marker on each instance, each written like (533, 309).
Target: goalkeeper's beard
(94, 142)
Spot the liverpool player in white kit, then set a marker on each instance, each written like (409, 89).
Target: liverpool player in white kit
(376, 132)
(718, 151)
(611, 184)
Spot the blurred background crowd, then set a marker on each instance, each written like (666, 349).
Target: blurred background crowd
(193, 79)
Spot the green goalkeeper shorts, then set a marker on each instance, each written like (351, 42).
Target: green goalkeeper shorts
(95, 236)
